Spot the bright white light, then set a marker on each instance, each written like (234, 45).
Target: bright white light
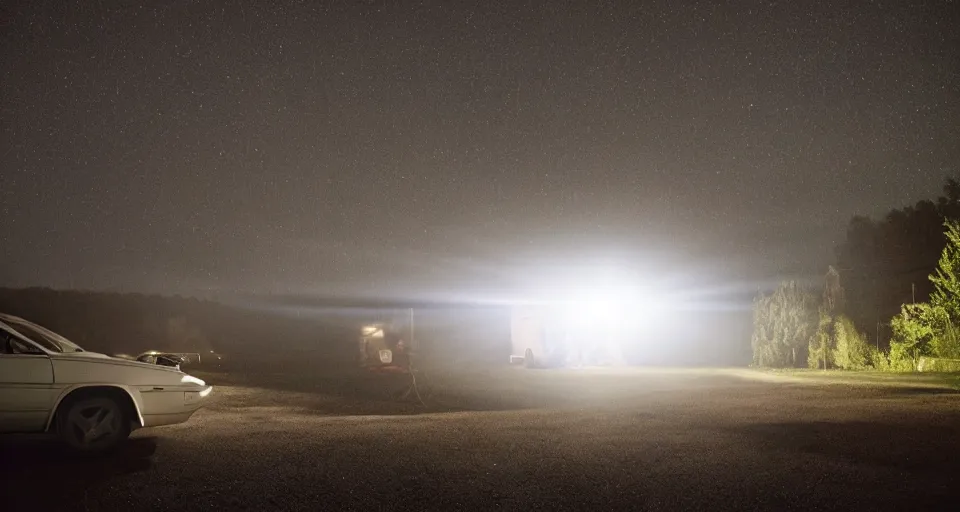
(612, 307)
(372, 331)
(592, 311)
(598, 305)
(605, 301)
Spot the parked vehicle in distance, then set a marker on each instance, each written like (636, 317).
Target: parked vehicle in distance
(89, 400)
(171, 359)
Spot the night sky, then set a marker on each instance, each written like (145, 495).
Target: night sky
(459, 148)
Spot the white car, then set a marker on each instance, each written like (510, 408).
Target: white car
(91, 401)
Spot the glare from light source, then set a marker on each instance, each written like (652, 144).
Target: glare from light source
(613, 308)
(372, 331)
(598, 305)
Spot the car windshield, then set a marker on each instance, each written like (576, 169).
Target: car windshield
(43, 337)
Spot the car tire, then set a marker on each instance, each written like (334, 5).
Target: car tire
(92, 424)
(528, 359)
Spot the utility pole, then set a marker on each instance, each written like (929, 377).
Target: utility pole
(913, 292)
(878, 335)
(824, 348)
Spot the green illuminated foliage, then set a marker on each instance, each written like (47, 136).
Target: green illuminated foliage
(851, 350)
(820, 353)
(784, 322)
(917, 331)
(930, 329)
(837, 344)
(946, 282)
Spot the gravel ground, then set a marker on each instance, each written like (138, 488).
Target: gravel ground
(636, 440)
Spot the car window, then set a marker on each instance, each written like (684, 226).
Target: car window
(22, 347)
(37, 336)
(5, 347)
(42, 336)
(10, 344)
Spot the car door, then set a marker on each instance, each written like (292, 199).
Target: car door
(26, 384)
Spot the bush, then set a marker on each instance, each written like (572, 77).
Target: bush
(923, 330)
(821, 344)
(879, 360)
(851, 351)
(838, 344)
(903, 357)
(933, 364)
(945, 342)
(913, 330)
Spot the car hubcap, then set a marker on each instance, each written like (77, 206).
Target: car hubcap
(90, 424)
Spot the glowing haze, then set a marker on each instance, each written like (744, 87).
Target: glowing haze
(458, 149)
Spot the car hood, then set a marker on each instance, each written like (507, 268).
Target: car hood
(96, 357)
(83, 355)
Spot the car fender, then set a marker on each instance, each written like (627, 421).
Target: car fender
(132, 393)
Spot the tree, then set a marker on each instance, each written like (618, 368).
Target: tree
(784, 321)
(946, 282)
(851, 350)
(930, 329)
(833, 296)
(885, 261)
(913, 331)
(820, 351)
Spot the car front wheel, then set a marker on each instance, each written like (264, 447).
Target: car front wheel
(92, 424)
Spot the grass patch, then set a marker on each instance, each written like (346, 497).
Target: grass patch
(870, 378)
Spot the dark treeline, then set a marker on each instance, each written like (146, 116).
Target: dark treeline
(114, 323)
(317, 337)
(885, 263)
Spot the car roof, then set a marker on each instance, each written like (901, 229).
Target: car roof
(10, 318)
